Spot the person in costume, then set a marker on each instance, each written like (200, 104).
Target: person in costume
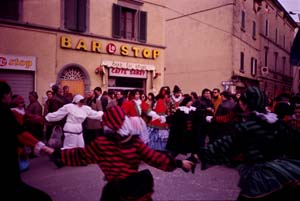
(134, 108)
(158, 128)
(268, 150)
(119, 153)
(175, 99)
(183, 130)
(76, 112)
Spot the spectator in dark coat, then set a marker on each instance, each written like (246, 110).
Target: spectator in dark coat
(205, 108)
(56, 102)
(182, 138)
(12, 134)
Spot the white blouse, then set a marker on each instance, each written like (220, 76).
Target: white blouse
(75, 116)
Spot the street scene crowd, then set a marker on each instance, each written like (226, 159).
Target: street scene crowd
(118, 130)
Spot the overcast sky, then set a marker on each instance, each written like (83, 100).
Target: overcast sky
(292, 5)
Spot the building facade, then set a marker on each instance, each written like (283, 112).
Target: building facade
(82, 44)
(229, 45)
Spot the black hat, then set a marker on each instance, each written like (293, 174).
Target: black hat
(187, 98)
(176, 89)
(282, 109)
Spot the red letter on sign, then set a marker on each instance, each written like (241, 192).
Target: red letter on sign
(111, 48)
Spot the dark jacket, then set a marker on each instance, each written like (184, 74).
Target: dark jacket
(183, 134)
(9, 131)
(269, 155)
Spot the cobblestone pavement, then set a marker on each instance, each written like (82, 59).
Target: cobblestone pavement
(85, 183)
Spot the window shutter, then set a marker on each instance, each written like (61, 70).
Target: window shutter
(81, 15)
(116, 21)
(70, 14)
(142, 27)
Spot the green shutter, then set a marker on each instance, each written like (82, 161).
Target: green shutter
(70, 14)
(116, 20)
(81, 23)
(9, 9)
(142, 26)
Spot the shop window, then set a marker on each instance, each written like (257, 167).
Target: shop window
(126, 83)
(129, 23)
(9, 9)
(75, 15)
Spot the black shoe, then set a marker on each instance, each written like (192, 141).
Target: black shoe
(194, 160)
(203, 165)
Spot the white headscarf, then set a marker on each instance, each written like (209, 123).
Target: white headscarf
(125, 130)
(77, 98)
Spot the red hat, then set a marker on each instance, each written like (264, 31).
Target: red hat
(114, 117)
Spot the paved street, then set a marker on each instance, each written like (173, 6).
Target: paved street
(85, 183)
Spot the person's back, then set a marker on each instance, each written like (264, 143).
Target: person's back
(127, 152)
(266, 149)
(261, 140)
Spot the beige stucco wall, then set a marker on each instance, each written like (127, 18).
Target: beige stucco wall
(101, 15)
(274, 83)
(199, 46)
(43, 41)
(203, 49)
(243, 40)
(42, 12)
(27, 42)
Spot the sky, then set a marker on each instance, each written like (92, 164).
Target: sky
(292, 5)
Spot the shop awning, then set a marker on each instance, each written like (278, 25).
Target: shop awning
(127, 65)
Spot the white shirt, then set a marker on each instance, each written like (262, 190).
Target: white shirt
(75, 116)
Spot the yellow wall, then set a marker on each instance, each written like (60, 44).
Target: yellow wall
(199, 46)
(43, 40)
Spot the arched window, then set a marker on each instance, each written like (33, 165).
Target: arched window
(75, 79)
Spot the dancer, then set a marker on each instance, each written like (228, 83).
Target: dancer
(76, 113)
(269, 152)
(119, 153)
